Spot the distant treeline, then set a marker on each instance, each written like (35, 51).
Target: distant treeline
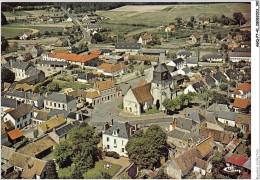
(86, 6)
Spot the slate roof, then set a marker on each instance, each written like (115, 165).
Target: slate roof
(239, 54)
(161, 68)
(211, 117)
(72, 115)
(198, 85)
(205, 71)
(218, 107)
(187, 70)
(227, 115)
(124, 129)
(178, 77)
(172, 68)
(20, 65)
(176, 134)
(177, 61)
(8, 102)
(15, 93)
(32, 71)
(87, 76)
(58, 97)
(213, 56)
(20, 111)
(209, 79)
(185, 53)
(125, 45)
(242, 49)
(229, 72)
(185, 123)
(14, 134)
(58, 112)
(241, 103)
(142, 93)
(218, 75)
(66, 128)
(192, 60)
(153, 51)
(196, 117)
(53, 62)
(105, 51)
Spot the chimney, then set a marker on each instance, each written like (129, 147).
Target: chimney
(136, 127)
(112, 122)
(184, 115)
(131, 131)
(171, 127)
(106, 126)
(54, 130)
(11, 64)
(71, 122)
(195, 110)
(117, 130)
(77, 116)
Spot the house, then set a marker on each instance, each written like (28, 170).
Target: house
(20, 116)
(26, 35)
(205, 71)
(144, 58)
(184, 54)
(186, 125)
(182, 139)
(243, 91)
(170, 28)
(236, 160)
(69, 19)
(50, 124)
(145, 38)
(138, 100)
(192, 62)
(61, 133)
(154, 52)
(15, 136)
(204, 20)
(52, 64)
(185, 71)
(243, 121)
(26, 97)
(209, 80)
(5, 127)
(39, 148)
(230, 74)
(241, 105)
(24, 87)
(105, 53)
(223, 137)
(61, 102)
(62, 42)
(93, 27)
(227, 118)
(240, 49)
(239, 56)
(130, 40)
(87, 78)
(39, 117)
(30, 167)
(8, 103)
(188, 89)
(45, 19)
(194, 38)
(178, 80)
(232, 145)
(215, 107)
(131, 170)
(115, 59)
(128, 47)
(202, 167)
(238, 37)
(112, 69)
(112, 35)
(103, 91)
(78, 94)
(245, 44)
(213, 58)
(178, 63)
(116, 137)
(218, 76)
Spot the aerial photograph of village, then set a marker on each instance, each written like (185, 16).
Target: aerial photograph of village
(125, 90)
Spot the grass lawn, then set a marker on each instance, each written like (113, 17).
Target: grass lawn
(42, 29)
(17, 13)
(151, 111)
(65, 173)
(99, 167)
(71, 84)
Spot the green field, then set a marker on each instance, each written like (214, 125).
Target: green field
(17, 13)
(99, 167)
(42, 29)
(169, 14)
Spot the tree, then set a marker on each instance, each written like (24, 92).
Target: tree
(3, 19)
(51, 172)
(7, 75)
(214, 18)
(53, 87)
(239, 18)
(98, 175)
(218, 36)
(146, 148)
(223, 86)
(192, 19)
(205, 37)
(80, 148)
(4, 44)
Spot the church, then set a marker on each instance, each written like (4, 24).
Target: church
(151, 92)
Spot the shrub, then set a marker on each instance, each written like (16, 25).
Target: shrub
(112, 154)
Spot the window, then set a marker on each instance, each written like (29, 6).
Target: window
(50, 103)
(54, 104)
(108, 147)
(123, 149)
(122, 143)
(114, 141)
(63, 106)
(107, 139)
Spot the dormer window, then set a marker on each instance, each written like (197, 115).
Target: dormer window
(114, 132)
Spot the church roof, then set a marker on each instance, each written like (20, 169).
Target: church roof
(142, 93)
(161, 68)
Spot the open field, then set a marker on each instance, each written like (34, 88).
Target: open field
(133, 14)
(41, 12)
(17, 13)
(141, 8)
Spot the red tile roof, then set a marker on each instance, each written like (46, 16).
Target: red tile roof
(112, 67)
(241, 103)
(237, 160)
(14, 134)
(244, 87)
(196, 35)
(74, 57)
(142, 93)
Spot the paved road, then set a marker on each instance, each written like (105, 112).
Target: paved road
(77, 23)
